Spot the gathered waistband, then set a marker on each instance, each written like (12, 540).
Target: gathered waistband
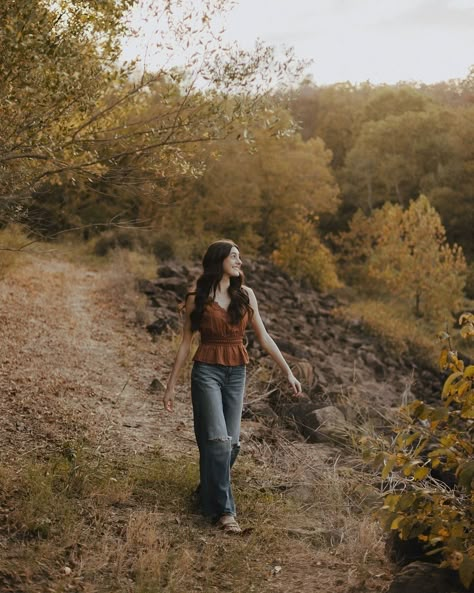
(212, 341)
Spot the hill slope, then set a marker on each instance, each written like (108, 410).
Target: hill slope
(96, 480)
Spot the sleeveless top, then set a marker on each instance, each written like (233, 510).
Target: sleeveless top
(221, 342)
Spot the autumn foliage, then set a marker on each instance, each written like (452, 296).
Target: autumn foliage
(428, 468)
(404, 252)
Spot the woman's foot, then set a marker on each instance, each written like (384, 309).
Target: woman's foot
(228, 524)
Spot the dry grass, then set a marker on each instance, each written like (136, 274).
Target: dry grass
(403, 333)
(129, 525)
(101, 512)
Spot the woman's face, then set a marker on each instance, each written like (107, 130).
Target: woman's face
(232, 263)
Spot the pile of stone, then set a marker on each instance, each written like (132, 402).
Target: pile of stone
(342, 368)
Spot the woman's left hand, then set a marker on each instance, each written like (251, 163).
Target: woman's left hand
(295, 384)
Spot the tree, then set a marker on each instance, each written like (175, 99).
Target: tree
(254, 191)
(392, 156)
(452, 193)
(71, 115)
(406, 253)
(302, 254)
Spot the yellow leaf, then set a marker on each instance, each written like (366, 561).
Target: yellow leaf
(449, 381)
(421, 473)
(396, 522)
(443, 359)
(469, 371)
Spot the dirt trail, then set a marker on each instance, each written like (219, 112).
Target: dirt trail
(66, 340)
(74, 362)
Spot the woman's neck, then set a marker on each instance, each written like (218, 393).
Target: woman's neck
(223, 286)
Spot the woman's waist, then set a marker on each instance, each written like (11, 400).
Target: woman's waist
(221, 340)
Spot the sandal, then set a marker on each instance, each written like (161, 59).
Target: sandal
(228, 524)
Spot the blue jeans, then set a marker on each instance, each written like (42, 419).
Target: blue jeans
(217, 394)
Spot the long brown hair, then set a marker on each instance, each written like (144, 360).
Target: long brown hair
(207, 283)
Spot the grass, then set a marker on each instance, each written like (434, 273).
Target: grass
(128, 524)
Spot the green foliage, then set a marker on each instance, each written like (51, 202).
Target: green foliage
(393, 142)
(303, 256)
(392, 156)
(432, 441)
(404, 253)
(55, 63)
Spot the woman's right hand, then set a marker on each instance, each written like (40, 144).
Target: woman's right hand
(168, 399)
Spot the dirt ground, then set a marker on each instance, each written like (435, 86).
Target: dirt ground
(74, 363)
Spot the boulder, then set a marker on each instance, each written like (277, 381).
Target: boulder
(424, 577)
(331, 425)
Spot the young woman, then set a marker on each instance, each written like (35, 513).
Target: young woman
(220, 309)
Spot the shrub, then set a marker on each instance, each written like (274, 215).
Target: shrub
(428, 467)
(163, 247)
(115, 239)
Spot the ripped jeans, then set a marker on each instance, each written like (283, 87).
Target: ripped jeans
(217, 394)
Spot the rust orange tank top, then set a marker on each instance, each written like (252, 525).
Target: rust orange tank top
(221, 342)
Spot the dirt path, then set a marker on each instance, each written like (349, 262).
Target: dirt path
(74, 363)
(69, 342)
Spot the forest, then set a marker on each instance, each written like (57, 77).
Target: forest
(363, 191)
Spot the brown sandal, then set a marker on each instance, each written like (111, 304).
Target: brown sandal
(228, 524)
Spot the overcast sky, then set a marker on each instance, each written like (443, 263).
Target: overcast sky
(359, 40)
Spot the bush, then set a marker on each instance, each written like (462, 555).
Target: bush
(428, 467)
(115, 239)
(163, 247)
(469, 289)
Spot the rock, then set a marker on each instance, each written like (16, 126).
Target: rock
(158, 326)
(168, 271)
(156, 386)
(146, 286)
(177, 285)
(331, 423)
(291, 348)
(423, 577)
(374, 363)
(253, 430)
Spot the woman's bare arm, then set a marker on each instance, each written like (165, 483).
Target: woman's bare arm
(268, 344)
(181, 356)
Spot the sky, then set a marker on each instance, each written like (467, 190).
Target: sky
(360, 40)
(381, 41)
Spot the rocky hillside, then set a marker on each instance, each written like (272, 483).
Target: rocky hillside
(342, 367)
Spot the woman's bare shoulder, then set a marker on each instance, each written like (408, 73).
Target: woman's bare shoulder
(250, 293)
(190, 301)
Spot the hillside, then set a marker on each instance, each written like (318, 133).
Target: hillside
(96, 480)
